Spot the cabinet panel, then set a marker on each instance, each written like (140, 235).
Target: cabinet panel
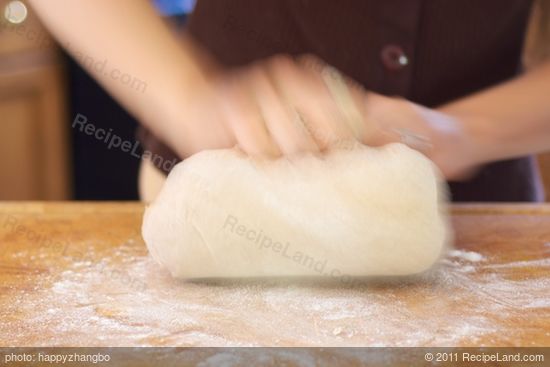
(33, 137)
(19, 171)
(544, 164)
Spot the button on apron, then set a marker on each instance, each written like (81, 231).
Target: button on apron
(393, 57)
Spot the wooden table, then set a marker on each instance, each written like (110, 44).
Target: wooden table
(78, 274)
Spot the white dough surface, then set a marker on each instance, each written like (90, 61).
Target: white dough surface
(350, 213)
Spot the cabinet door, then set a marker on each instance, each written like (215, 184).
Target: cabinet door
(33, 139)
(544, 163)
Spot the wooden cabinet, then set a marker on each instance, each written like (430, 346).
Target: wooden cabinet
(34, 157)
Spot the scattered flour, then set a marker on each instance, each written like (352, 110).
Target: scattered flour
(463, 301)
(466, 255)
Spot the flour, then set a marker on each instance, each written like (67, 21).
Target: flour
(523, 264)
(464, 301)
(466, 255)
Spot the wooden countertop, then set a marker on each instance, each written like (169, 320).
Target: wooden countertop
(78, 274)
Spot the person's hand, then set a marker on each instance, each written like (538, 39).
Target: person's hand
(279, 106)
(286, 106)
(448, 141)
(339, 113)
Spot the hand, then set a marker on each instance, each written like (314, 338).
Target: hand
(448, 141)
(285, 106)
(280, 106)
(348, 114)
(453, 144)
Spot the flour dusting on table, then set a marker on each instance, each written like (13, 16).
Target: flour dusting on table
(137, 303)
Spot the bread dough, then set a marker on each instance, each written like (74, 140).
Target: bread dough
(352, 212)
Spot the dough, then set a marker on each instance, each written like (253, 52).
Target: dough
(352, 212)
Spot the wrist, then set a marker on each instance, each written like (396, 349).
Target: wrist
(461, 150)
(484, 143)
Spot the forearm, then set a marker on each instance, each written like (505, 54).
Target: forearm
(511, 119)
(132, 39)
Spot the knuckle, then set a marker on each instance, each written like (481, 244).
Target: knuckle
(312, 62)
(282, 61)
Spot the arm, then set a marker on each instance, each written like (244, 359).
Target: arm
(508, 120)
(132, 38)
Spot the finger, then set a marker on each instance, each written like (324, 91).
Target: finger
(283, 122)
(349, 97)
(309, 95)
(245, 119)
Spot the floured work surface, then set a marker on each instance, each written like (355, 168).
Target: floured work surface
(79, 275)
